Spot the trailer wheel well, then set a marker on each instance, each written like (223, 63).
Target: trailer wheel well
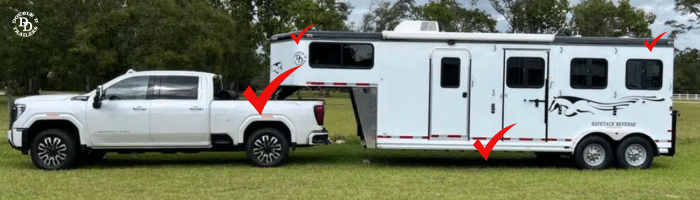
(267, 124)
(41, 125)
(646, 137)
(612, 142)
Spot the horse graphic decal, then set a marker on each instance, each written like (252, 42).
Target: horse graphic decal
(571, 106)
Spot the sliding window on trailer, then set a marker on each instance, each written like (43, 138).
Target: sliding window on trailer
(341, 55)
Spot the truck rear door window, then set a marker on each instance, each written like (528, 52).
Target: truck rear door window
(341, 55)
(449, 73)
(589, 73)
(644, 74)
(178, 87)
(524, 72)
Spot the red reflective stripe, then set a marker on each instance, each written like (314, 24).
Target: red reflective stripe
(549, 139)
(506, 138)
(656, 140)
(362, 84)
(670, 131)
(315, 83)
(479, 138)
(568, 139)
(434, 136)
(340, 83)
(454, 136)
(670, 140)
(406, 137)
(425, 137)
(382, 136)
(525, 139)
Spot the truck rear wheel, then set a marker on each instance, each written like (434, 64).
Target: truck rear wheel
(54, 149)
(267, 147)
(593, 153)
(635, 153)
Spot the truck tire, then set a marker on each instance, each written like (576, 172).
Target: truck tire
(635, 153)
(54, 149)
(593, 153)
(267, 147)
(92, 156)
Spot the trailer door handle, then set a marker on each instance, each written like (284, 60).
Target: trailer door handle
(195, 108)
(464, 94)
(537, 102)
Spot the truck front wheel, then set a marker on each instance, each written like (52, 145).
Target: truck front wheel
(267, 147)
(54, 149)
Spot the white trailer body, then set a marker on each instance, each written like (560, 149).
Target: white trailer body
(436, 90)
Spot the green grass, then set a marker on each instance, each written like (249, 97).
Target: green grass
(338, 172)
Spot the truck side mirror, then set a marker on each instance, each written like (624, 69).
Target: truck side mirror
(99, 95)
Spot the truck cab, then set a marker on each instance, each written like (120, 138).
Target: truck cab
(161, 111)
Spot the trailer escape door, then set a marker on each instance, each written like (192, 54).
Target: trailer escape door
(524, 94)
(449, 93)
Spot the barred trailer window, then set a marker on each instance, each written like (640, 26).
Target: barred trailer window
(644, 74)
(589, 73)
(341, 55)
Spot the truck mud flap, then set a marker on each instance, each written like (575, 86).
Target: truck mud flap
(364, 103)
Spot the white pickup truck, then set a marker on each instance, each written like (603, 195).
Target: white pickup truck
(161, 111)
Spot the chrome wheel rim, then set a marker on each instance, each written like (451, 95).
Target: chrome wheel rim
(52, 151)
(635, 155)
(267, 149)
(594, 154)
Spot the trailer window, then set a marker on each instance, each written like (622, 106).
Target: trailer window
(523, 72)
(449, 72)
(644, 74)
(589, 73)
(341, 55)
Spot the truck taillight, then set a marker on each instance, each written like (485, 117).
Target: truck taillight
(318, 112)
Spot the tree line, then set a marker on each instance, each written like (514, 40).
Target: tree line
(81, 44)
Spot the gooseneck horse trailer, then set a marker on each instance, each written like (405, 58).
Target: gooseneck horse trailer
(600, 100)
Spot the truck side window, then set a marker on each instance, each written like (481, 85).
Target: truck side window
(179, 87)
(589, 73)
(524, 72)
(449, 72)
(644, 74)
(134, 88)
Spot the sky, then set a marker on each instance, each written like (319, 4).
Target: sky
(662, 8)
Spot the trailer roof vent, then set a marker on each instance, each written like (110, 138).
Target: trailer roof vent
(417, 26)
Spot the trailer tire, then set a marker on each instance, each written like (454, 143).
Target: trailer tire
(593, 152)
(267, 147)
(635, 153)
(54, 149)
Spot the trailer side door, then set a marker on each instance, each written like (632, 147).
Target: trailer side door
(449, 92)
(524, 94)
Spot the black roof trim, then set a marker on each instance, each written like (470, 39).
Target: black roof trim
(325, 35)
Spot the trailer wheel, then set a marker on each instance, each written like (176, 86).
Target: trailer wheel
(54, 149)
(635, 153)
(593, 153)
(267, 147)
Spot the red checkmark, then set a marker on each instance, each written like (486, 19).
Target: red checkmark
(485, 151)
(259, 103)
(651, 46)
(297, 38)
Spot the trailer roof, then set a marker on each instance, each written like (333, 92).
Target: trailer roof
(472, 38)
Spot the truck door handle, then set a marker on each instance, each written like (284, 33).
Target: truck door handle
(537, 102)
(464, 94)
(139, 108)
(195, 108)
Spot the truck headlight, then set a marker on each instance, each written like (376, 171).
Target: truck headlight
(19, 109)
